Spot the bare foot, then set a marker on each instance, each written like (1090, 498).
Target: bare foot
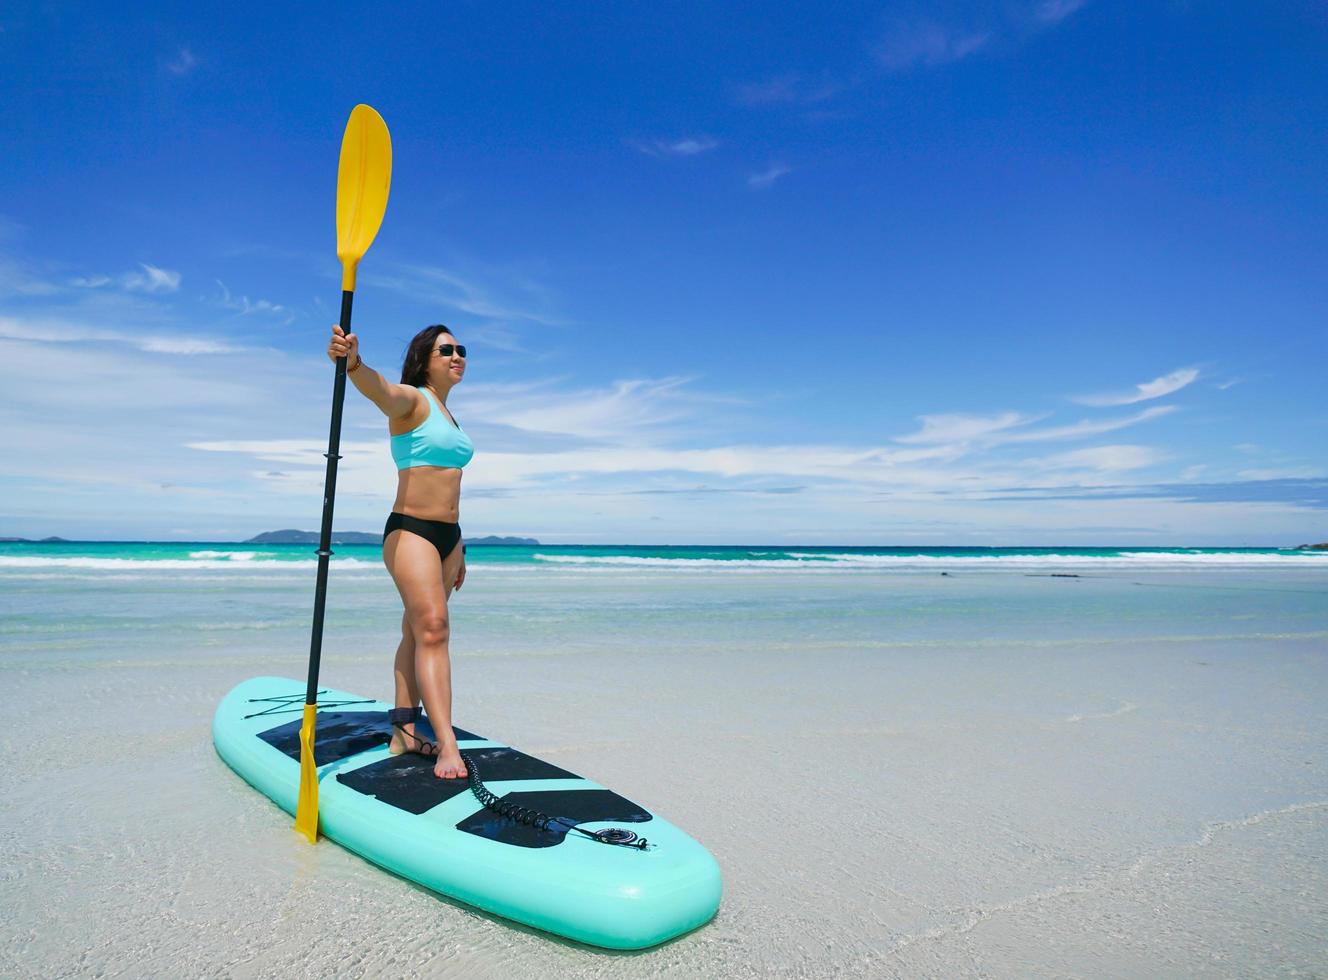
(405, 740)
(449, 764)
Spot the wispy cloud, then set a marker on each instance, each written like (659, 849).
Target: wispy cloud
(1012, 427)
(637, 411)
(539, 432)
(1309, 492)
(547, 443)
(1157, 388)
(183, 63)
(1087, 427)
(151, 280)
(1053, 11)
(148, 279)
(1104, 459)
(184, 345)
(768, 176)
(19, 279)
(791, 88)
(687, 146)
(1308, 472)
(245, 307)
(906, 45)
(518, 298)
(964, 428)
(45, 330)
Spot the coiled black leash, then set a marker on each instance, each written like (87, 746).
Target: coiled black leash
(542, 821)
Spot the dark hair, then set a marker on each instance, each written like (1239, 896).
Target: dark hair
(415, 368)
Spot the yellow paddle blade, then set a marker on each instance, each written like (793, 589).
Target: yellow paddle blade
(306, 809)
(362, 183)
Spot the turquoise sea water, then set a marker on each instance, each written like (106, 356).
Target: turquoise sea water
(908, 761)
(110, 555)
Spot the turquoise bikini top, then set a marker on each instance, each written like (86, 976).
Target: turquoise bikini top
(434, 442)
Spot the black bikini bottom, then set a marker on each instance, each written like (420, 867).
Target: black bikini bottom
(443, 535)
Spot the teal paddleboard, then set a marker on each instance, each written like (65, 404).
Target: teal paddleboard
(560, 875)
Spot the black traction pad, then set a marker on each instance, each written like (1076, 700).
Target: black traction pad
(576, 805)
(341, 734)
(408, 783)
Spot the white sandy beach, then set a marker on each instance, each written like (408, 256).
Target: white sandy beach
(900, 775)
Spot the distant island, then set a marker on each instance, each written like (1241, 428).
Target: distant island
(1313, 547)
(290, 536)
(34, 540)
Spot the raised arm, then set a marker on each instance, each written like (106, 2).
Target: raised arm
(393, 400)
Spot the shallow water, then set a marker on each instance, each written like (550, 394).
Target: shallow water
(987, 773)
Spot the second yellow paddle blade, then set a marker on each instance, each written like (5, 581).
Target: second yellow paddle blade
(306, 804)
(363, 179)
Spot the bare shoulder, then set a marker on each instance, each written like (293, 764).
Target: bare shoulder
(406, 409)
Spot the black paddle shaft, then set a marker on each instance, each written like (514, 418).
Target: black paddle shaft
(329, 498)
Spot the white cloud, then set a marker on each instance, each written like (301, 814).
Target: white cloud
(517, 298)
(767, 177)
(629, 411)
(625, 437)
(151, 280)
(963, 428)
(908, 44)
(46, 330)
(791, 88)
(1087, 428)
(183, 62)
(18, 279)
(1157, 388)
(687, 146)
(244, 446)
(1104, 459)
(1009, 427)
(245, 307)
(183, 345)
(1284, 473)
(1053, 11)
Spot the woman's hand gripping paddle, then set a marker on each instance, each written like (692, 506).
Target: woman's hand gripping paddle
(362, 183)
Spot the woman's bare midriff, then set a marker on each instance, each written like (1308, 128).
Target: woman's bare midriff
(431, 493)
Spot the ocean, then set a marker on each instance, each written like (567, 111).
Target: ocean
(908, 761)
(116, 555)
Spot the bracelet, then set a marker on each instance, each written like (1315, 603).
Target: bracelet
(358, 361)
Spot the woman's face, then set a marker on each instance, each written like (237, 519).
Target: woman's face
(446, 370)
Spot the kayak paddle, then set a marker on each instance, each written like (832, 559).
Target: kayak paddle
(363, 177)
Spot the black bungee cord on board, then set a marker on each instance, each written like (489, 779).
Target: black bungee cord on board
(542, 821)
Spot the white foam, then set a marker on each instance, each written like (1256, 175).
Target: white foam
(649, 562)
(831, 560)
(170, 564)
(1124, 558)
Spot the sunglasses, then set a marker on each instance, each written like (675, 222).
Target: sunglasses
(446, 350)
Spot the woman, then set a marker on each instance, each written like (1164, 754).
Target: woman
(422, 545)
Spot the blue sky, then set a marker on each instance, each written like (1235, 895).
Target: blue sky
(1036, 271)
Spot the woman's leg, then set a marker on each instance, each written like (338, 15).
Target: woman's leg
(419, 576)
(407, 689)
